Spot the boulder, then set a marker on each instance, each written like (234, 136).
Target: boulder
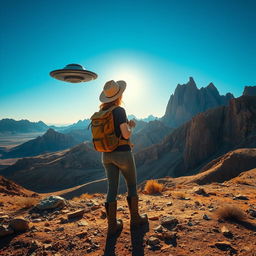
(169, 222)
(19, 224)
(51, 202)
(4, 231)
(76, 214)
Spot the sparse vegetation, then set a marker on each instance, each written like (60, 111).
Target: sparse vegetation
(180, 195)
(27, 202)
(153, 187)
(83, 196)
(239, 180)
(231, 212)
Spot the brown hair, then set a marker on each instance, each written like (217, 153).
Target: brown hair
(107, 105)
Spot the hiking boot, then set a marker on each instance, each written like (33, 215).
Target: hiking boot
(136, 218)
(114, 225)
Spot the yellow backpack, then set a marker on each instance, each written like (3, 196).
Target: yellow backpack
(103, 131)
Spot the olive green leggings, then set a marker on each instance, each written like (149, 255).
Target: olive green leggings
(114, 162)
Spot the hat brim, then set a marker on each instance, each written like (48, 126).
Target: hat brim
(122, 86)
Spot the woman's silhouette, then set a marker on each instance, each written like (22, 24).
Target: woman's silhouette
(121, 159)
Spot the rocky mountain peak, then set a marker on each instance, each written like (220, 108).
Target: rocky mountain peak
(249, 91)
(191, 81)
(50, 131)
(188, 100)
(211, 86)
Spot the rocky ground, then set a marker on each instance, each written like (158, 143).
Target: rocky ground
(183, 221)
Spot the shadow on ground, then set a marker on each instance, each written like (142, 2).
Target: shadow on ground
(137, 238)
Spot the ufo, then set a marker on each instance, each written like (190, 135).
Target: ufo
(73, 73)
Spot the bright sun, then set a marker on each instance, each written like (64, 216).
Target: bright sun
(135, 80)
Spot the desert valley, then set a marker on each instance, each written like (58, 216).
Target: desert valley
(196, 169)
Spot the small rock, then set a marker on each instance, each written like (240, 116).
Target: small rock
(169, 204)
(63, 220)
(120, 208)
(82, 234)
(35, 244)
(197, 204)
(153, 218)
(59, 229)
(89, 203)
(169, 236)
(35, 215)
(224, 246)
(76, 214)
(148, 202)
(47, 230)
(190, 223)
(47, 241)
(46, 224)
(19, 224)
(252, 212)
(240, 197)
(159, 228)
(103, 215)
(65, 211)
(169, 222)
(153, 241)
(4, 217)
(225, 231)
(200, 191)
(47, 246)
(36, 220)
(4, 231)
(95, 207)
(82, 223)
(206, 217)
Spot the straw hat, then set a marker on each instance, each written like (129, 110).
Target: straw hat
(73, 73)
(112, 90)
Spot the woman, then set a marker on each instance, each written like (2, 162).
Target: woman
(120, 159)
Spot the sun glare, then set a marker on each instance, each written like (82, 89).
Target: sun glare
(136, 81)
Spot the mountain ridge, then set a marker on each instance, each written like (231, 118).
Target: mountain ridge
(187, 101)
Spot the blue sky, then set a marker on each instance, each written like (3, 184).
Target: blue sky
(153, 45)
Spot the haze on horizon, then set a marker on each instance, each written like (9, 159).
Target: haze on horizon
(153, 45)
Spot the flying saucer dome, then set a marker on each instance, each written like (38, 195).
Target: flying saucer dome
(73, 73)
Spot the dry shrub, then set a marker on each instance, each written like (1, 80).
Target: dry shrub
(83, 196)
(86, 196)
(27, 202)
(153, 187)
(230, 212)
(180, 195)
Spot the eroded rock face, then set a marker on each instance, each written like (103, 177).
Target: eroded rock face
(249, 91)
(188, 100)
(207, 136)
(220, 129)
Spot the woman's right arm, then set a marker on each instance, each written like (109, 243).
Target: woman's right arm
(125, 130)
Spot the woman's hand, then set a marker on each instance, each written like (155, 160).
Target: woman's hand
(131, 123)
